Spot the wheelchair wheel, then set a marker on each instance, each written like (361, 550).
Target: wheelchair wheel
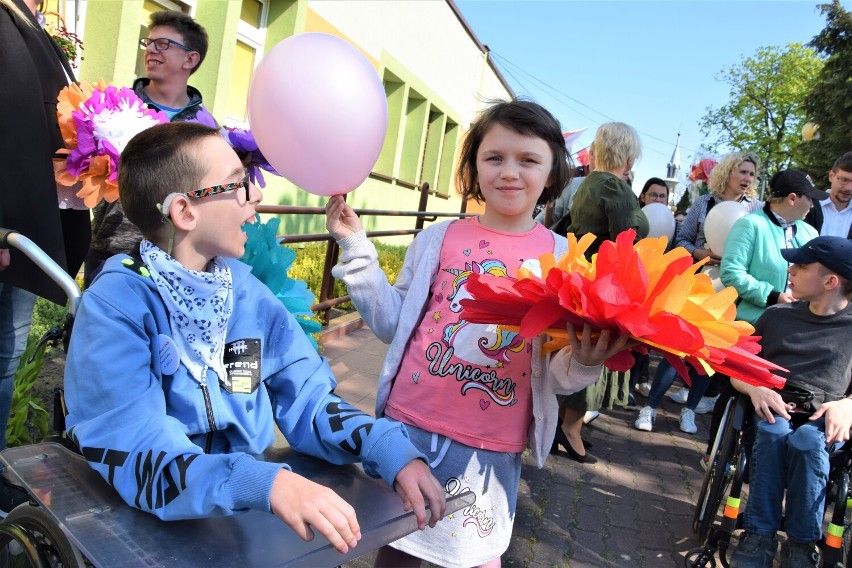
(716, 480)
(52, 542)
(699, 558)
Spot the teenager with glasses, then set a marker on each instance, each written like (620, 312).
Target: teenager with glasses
(833, 216)
(174, 49)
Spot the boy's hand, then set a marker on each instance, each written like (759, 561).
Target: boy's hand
(340, 220)
(303, 504)
(767, 403)
(591, 354)
(838, 419)
(417, 486)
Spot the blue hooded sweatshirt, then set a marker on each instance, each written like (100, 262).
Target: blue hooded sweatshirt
(180, 448)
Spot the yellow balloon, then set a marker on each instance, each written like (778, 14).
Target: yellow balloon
(810, 131)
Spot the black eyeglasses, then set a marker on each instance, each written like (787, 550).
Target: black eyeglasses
(161, 43)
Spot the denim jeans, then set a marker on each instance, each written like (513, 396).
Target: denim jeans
(663, 379)
(793, 459)
(16, 317)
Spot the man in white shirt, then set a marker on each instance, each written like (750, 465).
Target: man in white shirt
(833, 216)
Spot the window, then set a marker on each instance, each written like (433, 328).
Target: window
(251, 33)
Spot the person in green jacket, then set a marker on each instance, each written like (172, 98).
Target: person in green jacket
(752, 262)
(605, 204)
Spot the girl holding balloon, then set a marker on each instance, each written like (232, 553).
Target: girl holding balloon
(472, 396)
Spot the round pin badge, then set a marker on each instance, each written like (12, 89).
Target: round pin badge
(169, 358)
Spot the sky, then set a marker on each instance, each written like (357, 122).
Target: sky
(651, 64)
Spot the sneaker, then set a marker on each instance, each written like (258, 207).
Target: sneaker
(646, 419)
(679, 396)
(687, 421)
(590, 416)
(705, 462)
(754, 551)
(643, 389)
(706, 404)
(799, 555)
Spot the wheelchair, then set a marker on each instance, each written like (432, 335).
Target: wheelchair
(71, 517)
(719, 507)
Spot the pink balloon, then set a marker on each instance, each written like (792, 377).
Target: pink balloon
(318, 112)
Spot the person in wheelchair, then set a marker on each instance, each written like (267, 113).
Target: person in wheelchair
(810, 338)
(181, 363)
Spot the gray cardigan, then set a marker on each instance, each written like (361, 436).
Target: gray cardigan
(393, 313)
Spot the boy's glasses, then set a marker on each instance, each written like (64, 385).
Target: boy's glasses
(243, 197)
(161, 43)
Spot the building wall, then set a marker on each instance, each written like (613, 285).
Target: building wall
(434, 88)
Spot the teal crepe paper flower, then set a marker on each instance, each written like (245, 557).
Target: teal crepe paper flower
(270, 263)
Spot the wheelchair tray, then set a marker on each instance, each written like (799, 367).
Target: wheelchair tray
(110, 533)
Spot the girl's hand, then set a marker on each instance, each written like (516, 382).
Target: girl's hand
(340, 220)
(585, 352)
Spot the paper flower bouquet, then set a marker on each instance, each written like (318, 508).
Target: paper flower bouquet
(97, 121)
(658, 298)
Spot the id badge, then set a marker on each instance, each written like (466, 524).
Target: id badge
(242, 366)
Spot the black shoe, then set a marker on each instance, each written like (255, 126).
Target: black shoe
(562, 439)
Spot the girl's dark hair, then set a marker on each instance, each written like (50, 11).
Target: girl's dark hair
(528, 119)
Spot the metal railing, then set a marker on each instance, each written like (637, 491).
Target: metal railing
(327, 301)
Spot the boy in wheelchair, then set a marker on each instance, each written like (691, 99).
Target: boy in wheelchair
(182, 363)
(810, 338)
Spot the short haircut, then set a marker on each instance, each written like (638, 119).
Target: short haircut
(156, 162)
(845, 283)
(844, 163)
(194, 35)
(616, 144)
(729, 163)
(653, 181)
(528, 119)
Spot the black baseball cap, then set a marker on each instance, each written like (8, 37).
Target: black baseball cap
(786, 182)
(835, 253)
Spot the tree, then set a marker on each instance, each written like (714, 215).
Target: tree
(765, 112)
(829, 102)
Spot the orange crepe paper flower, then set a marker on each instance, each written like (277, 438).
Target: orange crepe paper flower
(659, 298)
(96, 122)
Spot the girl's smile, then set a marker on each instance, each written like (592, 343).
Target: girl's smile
(512, 170)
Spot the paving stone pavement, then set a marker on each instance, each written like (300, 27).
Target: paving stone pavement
(632, 508)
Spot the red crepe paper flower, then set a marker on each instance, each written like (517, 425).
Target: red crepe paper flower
(701, 171)
(659, 298)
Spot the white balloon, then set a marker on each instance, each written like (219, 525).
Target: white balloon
(718, 224)
(661, 221)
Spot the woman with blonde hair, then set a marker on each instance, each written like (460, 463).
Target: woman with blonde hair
(605, 204)
(733, 179)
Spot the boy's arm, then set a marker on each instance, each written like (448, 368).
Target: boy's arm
(318, 422)
(117, 416)
(767, 402)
